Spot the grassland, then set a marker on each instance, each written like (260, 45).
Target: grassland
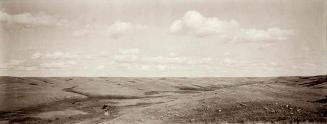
(163, 100)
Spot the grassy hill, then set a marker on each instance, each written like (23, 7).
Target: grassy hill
(162, 100)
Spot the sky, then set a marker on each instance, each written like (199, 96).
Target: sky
(160, 38)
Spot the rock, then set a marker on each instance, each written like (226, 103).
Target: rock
(242, 104)
(106, 113)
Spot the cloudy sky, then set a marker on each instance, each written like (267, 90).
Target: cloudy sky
(163, 38)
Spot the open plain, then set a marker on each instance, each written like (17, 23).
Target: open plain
(163, 100)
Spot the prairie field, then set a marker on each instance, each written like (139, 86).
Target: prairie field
(163, 100)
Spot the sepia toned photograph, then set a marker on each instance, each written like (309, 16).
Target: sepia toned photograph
(163, 61)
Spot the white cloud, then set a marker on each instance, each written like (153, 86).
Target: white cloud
(3, 66)
(53, 65)
(116, 30)
(229, 61)
(18, 65)
(119, 29)
(36, 56)
(29, 20)
(129, 51)
(195, 24)
(100, 67)
(164, 59)
(82, 32)
(133, 56)
(4, 16)
(15, 62)
(59, 64)
(172, 54)
(161, 67)
(145, 67)
(35, 65)
(54, 55)
(306, 49)
(127, 55)
(125, 58)
(132, 61)
(275, 34)
(25, 68)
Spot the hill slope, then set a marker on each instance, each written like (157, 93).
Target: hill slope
(162, 100)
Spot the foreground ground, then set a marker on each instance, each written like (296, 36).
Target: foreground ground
(163, 100)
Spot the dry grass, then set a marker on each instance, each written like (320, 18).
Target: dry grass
(165, 100)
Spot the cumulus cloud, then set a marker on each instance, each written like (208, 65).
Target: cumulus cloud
(30, 20)
(195, 24)
(119, 29)
(116, 30)
(276, 34)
